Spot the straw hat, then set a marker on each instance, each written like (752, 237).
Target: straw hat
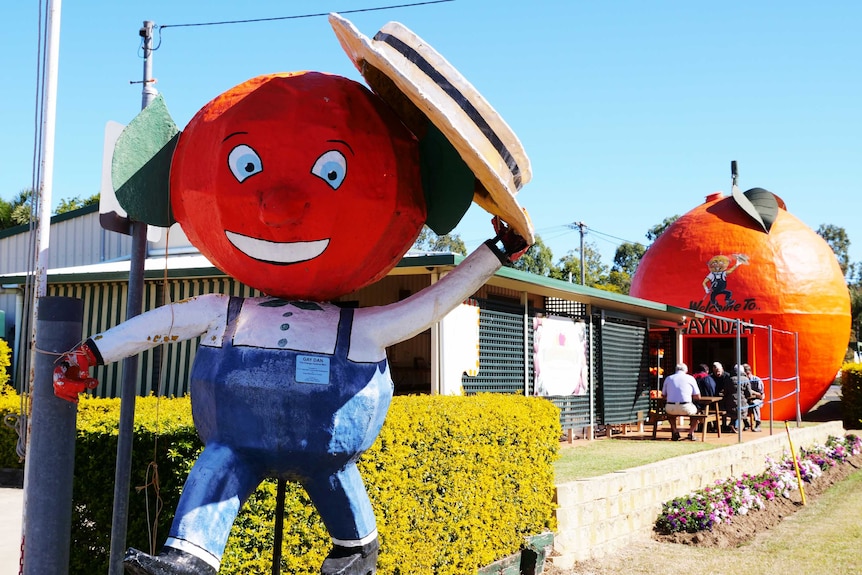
(414, 79)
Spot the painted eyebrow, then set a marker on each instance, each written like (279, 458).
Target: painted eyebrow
(340, 142)
(229, 136)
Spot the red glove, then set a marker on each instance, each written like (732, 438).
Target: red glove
(514, 246)
(72, 374)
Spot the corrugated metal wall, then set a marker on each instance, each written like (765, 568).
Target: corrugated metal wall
(621, 392)
(501, 351)
(74, 241)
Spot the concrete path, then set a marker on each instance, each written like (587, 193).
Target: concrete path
(11, 511)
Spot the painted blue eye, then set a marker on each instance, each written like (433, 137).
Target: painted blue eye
(244, 162)
(331, 167)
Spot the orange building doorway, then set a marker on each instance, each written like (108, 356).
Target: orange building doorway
(710, 349)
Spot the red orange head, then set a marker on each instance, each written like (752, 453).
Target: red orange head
(303, 185)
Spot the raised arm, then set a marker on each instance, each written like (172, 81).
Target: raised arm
(383, 326)
(389, 324)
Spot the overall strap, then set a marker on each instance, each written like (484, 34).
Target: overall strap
(234, 306)
(345, 327)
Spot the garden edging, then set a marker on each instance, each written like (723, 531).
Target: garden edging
(599, 515)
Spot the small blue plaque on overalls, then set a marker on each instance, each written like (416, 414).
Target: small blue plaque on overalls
(312, 369)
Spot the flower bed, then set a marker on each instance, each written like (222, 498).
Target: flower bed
(729, 500)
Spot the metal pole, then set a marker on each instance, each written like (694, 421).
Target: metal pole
(281, 489)
(796, 353)
(122, 476)
(50, 463)
(43, 234)
(525, 300)
(581, 226)
(771, 380)
(736, 370)
(49, 123)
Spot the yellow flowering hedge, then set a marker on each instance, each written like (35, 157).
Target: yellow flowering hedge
(456, 483)
(9, 404)
(851, 395)
(5, 363)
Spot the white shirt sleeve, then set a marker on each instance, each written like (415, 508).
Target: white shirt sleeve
(382, 326)
(169, 323)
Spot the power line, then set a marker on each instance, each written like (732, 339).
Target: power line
(615, 237)
(298, 16)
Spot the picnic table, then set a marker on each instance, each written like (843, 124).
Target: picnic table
(708, 407)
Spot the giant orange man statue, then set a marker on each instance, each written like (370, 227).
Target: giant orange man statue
(308, 186)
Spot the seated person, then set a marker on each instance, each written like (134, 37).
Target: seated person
(735, 409)
(707, 387)
(757, 394)
(680, 391)
(722, 380)
(704, 380)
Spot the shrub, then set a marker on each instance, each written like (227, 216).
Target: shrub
(10, 404)
(5, 363)
(456, 483)
(851, 395)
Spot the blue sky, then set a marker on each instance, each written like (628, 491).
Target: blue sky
(630, 111)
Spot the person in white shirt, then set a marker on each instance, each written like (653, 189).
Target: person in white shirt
(680, 391)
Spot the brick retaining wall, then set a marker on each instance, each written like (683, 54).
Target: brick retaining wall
(598, 515)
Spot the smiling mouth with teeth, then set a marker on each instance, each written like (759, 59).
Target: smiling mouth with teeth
(281, 253)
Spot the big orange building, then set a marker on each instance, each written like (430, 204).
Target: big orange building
(745, 256)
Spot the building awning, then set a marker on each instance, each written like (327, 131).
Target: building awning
(195, 265)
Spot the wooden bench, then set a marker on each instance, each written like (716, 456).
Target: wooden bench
(711, 411)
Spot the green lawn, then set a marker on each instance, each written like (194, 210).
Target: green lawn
(592, 458)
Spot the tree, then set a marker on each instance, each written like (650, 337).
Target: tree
(539, 259)
(627, 257)
(16, 211)
(836, 237)
(569, 267)
(854, 284)
(856, 312)
(616, 281)
(5, 214)
(626, 260)
(428, 241)
(76, 203)
(654, 232)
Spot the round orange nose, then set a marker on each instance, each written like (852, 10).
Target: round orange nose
(277, 210)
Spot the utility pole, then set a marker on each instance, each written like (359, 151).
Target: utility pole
(55, 327)
(123, 471)
(582, 228)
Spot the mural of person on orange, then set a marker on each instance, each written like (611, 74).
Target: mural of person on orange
(715, 282)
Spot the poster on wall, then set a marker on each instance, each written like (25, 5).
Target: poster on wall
(559, 356)
(459, 347)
